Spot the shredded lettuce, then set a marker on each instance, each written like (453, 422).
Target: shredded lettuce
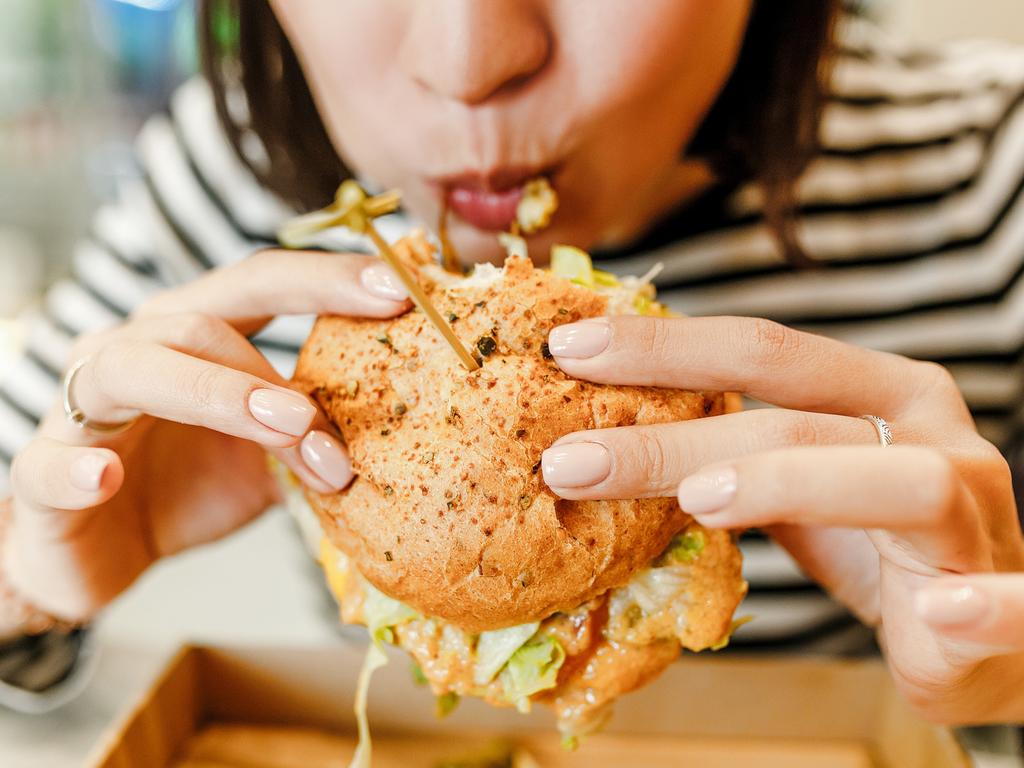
(655, 589)
(375, 659)
(532, 668)
(685, 547)
(495, 648)
(382, 613)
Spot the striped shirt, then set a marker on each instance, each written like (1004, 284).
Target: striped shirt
(914, 210)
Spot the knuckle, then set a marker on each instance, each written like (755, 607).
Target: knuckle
(798, 429)
(655, 339)
(772, 343)
(204, 388)
(17, 471)
(936, 378)
(29, 464)
(88, 343)
(106, 362)
(941, 490)
(155, 305)
(651, 456)
(195, 330)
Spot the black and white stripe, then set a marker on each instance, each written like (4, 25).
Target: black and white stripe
(914, 209)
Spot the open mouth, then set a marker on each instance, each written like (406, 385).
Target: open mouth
(488, 201)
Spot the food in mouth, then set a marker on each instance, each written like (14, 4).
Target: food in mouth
(526, 205)
(449, 544)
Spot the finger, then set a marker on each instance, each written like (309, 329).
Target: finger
(276, 282)
(984, 609)
(647, 461)
(51, 475)
(762, 359)
(319, 460)
(127, 378)
(915, 493)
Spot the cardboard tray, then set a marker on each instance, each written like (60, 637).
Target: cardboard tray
(291, 708)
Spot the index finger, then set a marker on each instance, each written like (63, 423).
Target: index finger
(278, 282)
(760, 358)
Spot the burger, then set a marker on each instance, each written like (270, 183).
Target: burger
(449, 544)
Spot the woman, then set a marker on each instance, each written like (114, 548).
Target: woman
(673, 132)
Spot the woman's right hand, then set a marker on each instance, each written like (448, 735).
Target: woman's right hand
(92, 512)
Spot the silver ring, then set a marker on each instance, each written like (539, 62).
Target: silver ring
(882, 427)
(77, 416)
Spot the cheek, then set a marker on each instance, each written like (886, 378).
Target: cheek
(658, 54)
(643, 76)
(347, 52)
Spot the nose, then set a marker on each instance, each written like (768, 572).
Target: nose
(470, 50)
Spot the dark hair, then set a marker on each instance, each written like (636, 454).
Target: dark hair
(763, 127)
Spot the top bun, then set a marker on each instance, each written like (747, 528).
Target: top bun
(449, 512)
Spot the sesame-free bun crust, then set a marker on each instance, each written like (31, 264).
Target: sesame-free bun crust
(449, 512)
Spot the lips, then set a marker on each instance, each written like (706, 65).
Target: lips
(486, 201)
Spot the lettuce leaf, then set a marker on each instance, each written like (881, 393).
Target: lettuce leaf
(532, 668)
(375, 659)
(496, 647)
(382, 613)
(685, 547)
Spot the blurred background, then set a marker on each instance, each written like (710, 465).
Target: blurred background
(77, 78)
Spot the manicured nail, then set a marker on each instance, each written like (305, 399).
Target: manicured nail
(580, 340)
(325, 456)
(575, 465)
(707, 492)
(952, 606)
(382, 282)
(86, 472)
(287, 412)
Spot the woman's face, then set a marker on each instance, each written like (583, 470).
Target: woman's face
(464, 100)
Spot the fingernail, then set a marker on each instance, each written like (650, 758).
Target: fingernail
(86, 472)
(575, 465)
(287, 412)
(952, 606)
(580, 340)
(382, 282)
(325, 456)
(707, 492)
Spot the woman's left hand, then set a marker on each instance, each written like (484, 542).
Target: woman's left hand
(876, 526)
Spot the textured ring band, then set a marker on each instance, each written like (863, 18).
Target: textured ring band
(77, 416)
(882, 427)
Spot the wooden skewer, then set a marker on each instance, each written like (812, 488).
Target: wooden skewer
(449, 260)
(420, 298)
(353, 209)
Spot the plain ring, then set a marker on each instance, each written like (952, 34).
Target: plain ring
(882, 427)
(77, 416)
